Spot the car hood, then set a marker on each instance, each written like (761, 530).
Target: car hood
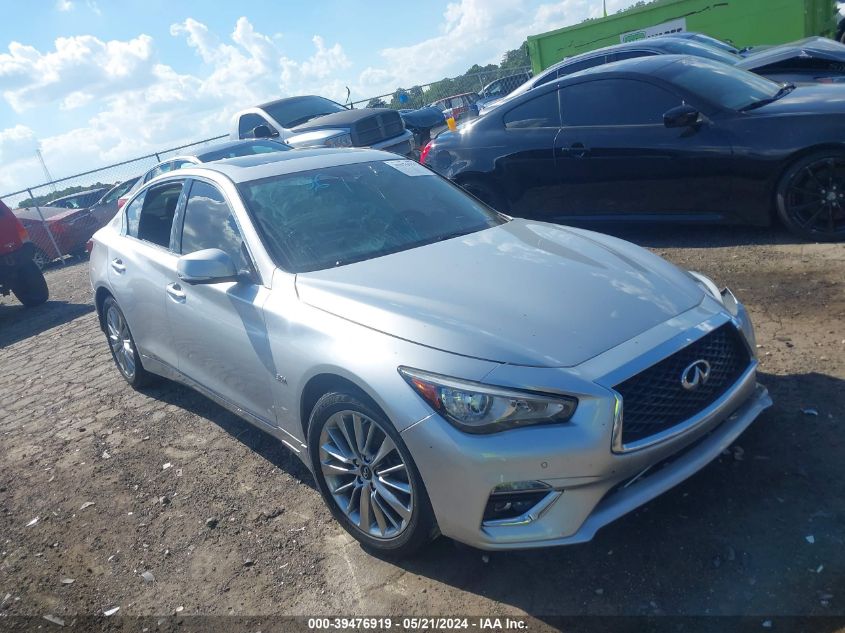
(523, 293)
(339, 120)
(808, 99)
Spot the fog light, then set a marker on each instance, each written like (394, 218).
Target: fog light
(512, 500)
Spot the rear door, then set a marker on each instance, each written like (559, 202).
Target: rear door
(218, 329)
(615, 156)
(141, 264)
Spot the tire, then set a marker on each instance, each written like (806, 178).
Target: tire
(486, 193)
(124, 353)
(40, 258)
(383, 530)
(30, 287)
(810, 197)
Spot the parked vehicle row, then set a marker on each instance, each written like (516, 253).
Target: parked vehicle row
(659, 138)
(339, 299)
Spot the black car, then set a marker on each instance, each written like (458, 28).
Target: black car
(664, 45)
(670, 138)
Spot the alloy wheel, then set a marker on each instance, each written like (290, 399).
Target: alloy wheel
(815, 197)
(120, 342)
(366, 474)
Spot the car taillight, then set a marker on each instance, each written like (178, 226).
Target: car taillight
(424, 152)
(23, 236)
(120, 203)
(89, 246)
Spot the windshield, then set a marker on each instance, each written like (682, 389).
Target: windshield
(723, 85)
(292, 112)
(322, 218)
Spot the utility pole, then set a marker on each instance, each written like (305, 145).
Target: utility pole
(46, 171)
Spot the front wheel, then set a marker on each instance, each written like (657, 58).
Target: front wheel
(811, 197)
(367, 476)
(30, 287)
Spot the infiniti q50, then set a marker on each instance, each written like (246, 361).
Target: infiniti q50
(440, 367)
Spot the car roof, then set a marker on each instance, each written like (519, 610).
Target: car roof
(640, 65)
(819, 47)
(215, 147)
(291, 99)
(258, 166)
(77, 194)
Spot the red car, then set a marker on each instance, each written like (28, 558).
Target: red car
(18, 272)
(71, 220)
(70, 228)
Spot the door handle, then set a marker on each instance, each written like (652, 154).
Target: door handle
(176, 293)
(579, 150)
(117, 265)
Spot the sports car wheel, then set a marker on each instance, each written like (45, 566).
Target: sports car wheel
(811, 197)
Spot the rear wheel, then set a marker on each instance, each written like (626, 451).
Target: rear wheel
(367, 476)
(811, 197)
(30, 286)
(488, 194)
(122, 346)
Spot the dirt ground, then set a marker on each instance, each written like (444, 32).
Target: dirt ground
(99, 484)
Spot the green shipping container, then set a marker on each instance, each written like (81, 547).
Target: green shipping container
(741, 22)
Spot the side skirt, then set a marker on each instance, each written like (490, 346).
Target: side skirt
(165, 370)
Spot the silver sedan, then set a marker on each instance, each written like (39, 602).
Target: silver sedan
(441, 368)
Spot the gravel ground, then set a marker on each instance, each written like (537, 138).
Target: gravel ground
(100, 483)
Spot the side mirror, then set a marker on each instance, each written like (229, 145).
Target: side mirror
(262, 131)
(682, 116)
(209, 266)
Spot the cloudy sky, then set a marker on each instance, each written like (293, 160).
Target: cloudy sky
(92, 82)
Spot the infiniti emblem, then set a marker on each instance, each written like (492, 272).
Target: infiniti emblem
(695, 375)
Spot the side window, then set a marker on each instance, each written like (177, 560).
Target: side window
(158, 170)
(156, 217)
(541, 111)
(608, 102)
(583, 64)
(248, 122)
(209, 223)
(133, 214)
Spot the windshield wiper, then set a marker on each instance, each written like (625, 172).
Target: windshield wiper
(784, 90)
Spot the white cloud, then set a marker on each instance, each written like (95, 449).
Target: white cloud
(79, 69)
(16, 143)
(135, 104)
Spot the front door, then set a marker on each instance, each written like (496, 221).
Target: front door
(617, 158)
(218, 329)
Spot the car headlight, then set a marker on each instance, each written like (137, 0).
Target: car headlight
(476, 408)
(706, 284)
(731, 304)
(341, 140)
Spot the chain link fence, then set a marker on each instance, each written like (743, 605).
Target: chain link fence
(62, 215)
(486, 84)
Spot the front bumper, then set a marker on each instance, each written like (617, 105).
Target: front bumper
(402, 144)
(587, 480)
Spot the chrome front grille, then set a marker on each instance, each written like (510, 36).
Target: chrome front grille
(655, 399)
(378, 127)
